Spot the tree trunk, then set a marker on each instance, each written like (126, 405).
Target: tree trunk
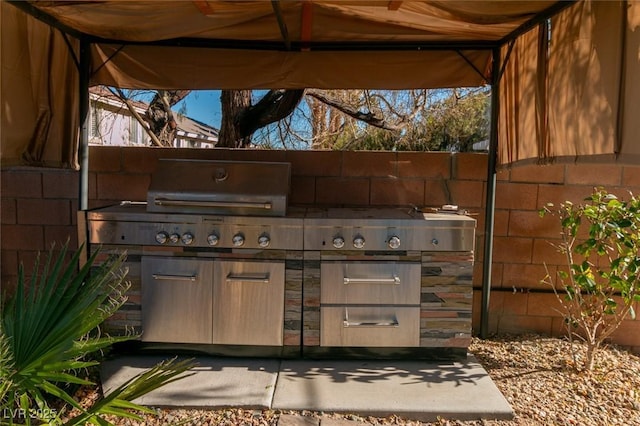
(233, 104)
(160, 117)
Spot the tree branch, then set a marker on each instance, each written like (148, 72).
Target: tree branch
(135, 114)
(368, 117)
(274, 106)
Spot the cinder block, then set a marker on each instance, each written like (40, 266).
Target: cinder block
(342, 191)
(315, 163)
(519, 324)
(528, 223)
(553, 173)
(593, 174)
(467, 194)
(116, 186)
(23, 183)
(105, 158)
(303, 190)
(397, 192)
(22, 237)
(521, 196)
(470, 166)
(369, 164)
(44, 212)
(512, 249)
(8, 211)
(428, 165)
(61, 184)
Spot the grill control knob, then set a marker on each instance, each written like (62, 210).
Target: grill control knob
(394, 242)
(174, 238)
(213, 239)
(338, 242)
(264, 241)
(162, 237)
(237, 240)
(435, 242)
(358, 242)
(187, 238)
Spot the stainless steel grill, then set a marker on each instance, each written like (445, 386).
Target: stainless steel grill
(217, 239)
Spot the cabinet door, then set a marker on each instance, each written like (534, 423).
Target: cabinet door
(176, 300)
(248, 303)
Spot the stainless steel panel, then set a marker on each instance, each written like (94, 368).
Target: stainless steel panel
(386, 283)
(248, 303)
(284, 233)
(370, 326)
(176, 300)
(220, 187)
(423, 232)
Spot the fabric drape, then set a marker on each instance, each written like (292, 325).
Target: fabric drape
(571, 93)
(39, 93)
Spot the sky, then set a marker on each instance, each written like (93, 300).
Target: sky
(204, 106)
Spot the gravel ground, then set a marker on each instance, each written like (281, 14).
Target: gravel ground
(536, 375)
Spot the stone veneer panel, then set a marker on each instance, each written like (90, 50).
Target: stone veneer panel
(311, 299)
(446, 299)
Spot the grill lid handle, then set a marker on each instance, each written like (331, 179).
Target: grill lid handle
(227, 204)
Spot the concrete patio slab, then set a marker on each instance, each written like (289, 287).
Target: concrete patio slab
(217, 382)
(417, 390)
(413, 389)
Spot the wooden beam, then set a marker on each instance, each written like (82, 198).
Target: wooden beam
(204, 7)
(394, 4)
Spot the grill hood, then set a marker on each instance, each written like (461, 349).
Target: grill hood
(220, 187)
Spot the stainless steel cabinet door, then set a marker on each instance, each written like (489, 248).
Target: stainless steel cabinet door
(248, 303)
(176, 300)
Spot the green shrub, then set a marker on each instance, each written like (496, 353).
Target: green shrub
(49, 328)
(601, 242)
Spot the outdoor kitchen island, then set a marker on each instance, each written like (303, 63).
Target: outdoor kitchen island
(300, 282)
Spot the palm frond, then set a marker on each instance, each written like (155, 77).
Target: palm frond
(51, 324)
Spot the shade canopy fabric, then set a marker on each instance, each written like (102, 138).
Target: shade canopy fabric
(567, 89)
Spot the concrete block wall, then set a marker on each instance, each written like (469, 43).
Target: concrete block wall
(39, 207)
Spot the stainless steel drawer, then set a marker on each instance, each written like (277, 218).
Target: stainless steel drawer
(248, 303)
(388, 283)
(370, 326)
(176, 300)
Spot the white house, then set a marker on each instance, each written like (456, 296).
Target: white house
(112, 123)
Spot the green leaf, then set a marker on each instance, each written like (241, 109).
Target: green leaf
(45, 336)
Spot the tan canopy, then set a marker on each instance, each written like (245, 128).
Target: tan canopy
(569, 96)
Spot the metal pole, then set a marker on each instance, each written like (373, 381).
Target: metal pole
(491, 196)
(83, 148)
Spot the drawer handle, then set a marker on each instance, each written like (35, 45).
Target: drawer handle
(175, 277)
(395, 280)
(252, 278)
(382, 323)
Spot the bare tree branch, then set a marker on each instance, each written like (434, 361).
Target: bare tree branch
(368, 117)
(117, 92)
